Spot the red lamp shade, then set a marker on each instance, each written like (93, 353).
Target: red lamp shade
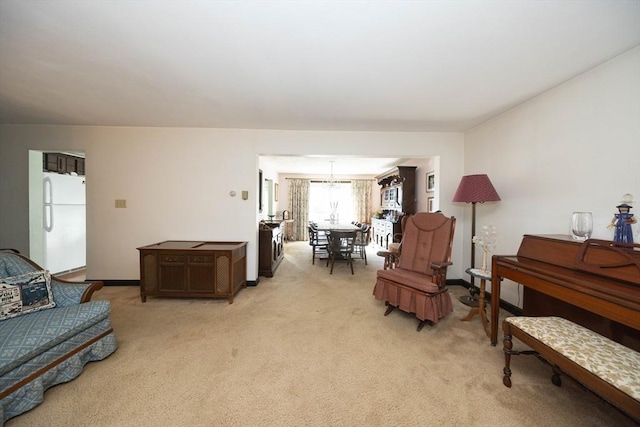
(475, 189)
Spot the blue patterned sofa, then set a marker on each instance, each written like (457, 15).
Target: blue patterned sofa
(49, 329)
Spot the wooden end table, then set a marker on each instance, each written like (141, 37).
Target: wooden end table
(480, 309)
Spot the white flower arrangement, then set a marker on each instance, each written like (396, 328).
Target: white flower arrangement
(487, 240)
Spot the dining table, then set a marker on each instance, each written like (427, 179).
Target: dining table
(329, 226)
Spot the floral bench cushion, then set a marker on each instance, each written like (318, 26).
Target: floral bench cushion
(614, 363)
(22, 338)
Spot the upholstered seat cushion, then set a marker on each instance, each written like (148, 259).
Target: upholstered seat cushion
(25, 337)
(418, 299)
(410, 278)
(614, 363)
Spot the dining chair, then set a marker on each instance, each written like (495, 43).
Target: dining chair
(362, 241)
(318, 243)
(340, 248)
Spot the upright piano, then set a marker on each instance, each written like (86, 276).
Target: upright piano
(595, 283)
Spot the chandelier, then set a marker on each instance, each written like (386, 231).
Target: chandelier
(332, 185)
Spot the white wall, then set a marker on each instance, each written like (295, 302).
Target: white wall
(574, 148)
(425, 166)
(177, 181)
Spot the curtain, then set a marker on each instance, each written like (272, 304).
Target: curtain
(361, 189)
(299, 201)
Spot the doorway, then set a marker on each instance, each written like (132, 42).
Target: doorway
(57, 211)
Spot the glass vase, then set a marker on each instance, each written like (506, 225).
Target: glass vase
(581, 225)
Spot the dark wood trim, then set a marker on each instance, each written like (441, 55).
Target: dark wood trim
(88, 293)
(513, 309)
(137, 282)
(121, 282)
(457, 282)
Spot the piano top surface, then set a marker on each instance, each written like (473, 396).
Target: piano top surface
(627, 293)
(592, 257)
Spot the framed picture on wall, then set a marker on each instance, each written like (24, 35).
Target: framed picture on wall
(431, 181)
(259, 190)
(275, 191)
(430, 204)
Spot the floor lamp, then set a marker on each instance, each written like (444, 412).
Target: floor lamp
(474, 189)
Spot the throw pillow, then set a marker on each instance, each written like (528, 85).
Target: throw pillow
(25, 293)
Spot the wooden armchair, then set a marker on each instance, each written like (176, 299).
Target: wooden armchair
(415, 280)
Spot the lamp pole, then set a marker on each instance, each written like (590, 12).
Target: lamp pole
(473, 233)
(470, 299)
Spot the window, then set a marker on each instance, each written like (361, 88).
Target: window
(320, 198)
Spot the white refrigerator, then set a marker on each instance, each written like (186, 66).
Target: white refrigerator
(64, 222)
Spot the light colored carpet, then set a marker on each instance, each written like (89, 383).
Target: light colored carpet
(306, 348)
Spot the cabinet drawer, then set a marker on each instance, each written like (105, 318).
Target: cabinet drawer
(201, 259)
(172, 258)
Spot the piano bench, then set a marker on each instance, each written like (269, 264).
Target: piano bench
(609, 369)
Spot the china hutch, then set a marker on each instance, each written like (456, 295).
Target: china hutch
(397, 198)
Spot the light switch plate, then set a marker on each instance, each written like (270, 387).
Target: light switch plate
(121, 203)
(245, 195)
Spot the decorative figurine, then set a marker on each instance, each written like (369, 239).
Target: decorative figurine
(622, 221)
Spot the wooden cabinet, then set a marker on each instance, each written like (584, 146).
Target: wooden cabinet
(63, 163)
(54, 162)
(391, 197)
(397, 198)
(271, 249)
(79, 165)
(398, 189)
(193, 269)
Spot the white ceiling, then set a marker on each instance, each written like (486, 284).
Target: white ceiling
(338, 65)
(319, 65)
